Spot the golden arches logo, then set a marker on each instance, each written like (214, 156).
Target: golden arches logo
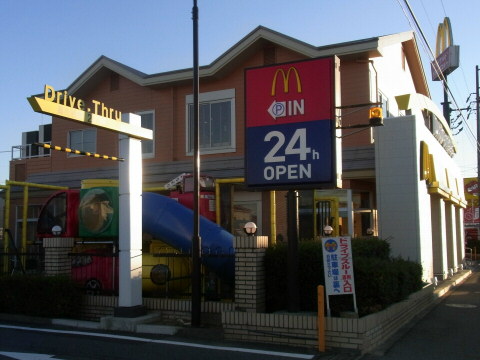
(427, 164)
(444, 36)
(286, 79)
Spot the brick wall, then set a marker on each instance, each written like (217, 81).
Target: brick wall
(250, 273)
(57, 261)
(360, 335)
(286, 329)
(244, 319)
(172, 311)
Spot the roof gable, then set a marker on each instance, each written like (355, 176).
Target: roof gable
(366, 48)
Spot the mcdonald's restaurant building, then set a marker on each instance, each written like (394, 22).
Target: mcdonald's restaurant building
(398, 181)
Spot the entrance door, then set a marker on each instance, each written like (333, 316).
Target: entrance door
(326, 213)
(247, 206)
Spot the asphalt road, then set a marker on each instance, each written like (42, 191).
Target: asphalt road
(39, 343)
(451, 331)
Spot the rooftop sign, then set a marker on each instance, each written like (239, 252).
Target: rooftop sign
(61, 104)
(447, 55)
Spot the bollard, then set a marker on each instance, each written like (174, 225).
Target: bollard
(321, 318)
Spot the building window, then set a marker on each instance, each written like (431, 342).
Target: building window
(83, 140)
(148, 121)
(33, 212)
(217, 122)
(383, 99)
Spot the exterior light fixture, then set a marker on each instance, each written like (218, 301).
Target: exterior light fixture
(250, 228)
(56, 230)
(375, 114)
(327, 230)
(370, 231)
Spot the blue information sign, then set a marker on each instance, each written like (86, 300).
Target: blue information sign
(290, 154)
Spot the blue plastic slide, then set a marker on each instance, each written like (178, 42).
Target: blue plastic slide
(167, 220)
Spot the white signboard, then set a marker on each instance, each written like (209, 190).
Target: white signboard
(338, 265)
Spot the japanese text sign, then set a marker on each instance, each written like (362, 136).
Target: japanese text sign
(338, 265)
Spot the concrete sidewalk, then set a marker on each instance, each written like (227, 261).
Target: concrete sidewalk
(446, 330)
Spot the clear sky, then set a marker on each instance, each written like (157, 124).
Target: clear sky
(53, 42)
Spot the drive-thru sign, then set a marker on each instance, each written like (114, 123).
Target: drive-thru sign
(290, 124)
(65, 106)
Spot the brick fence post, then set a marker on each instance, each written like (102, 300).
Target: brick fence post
(250, 273)
(57, 261)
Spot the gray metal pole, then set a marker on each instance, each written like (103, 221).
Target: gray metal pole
(292, 255)
(196, 240)
(446, 105)
(477, 101)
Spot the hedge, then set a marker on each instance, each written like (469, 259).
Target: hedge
(35, 295)
(379, 279)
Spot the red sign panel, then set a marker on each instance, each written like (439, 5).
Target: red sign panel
(287, 93)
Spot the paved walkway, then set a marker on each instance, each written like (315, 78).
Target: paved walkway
(450, 331)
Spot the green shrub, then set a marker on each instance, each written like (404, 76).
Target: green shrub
(276, 275)
(370, 246)
(379, 279)
(310, 270)
(34, 295)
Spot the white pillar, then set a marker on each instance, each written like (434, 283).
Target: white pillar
(130, 224)
(451, 236)
(439, 238)
(460, 235)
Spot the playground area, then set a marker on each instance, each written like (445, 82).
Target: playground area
(86, 222)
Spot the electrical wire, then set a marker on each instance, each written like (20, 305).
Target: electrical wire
(433, 30)
(426, 46)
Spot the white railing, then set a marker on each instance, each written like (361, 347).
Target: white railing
(29, 151)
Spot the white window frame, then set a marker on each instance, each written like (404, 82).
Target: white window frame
(148, 155)
(385, 103)
(82, 148)
(211, 97)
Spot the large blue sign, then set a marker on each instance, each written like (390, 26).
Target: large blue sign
(299, 153)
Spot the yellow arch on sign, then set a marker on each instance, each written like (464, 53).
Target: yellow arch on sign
(286, 79)
(444, 36)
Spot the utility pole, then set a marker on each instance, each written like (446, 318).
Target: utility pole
(477, 101)
(477, 107)
(196, 240)
(292, 255)
(446, 104)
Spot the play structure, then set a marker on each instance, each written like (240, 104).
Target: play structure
(91, 214)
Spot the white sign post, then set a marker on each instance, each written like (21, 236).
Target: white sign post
(130, 223)
(338, 268)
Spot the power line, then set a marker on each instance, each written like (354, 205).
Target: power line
(443, 7)
(426, 45)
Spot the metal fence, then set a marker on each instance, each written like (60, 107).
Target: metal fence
(14, 262)
(165, 273)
